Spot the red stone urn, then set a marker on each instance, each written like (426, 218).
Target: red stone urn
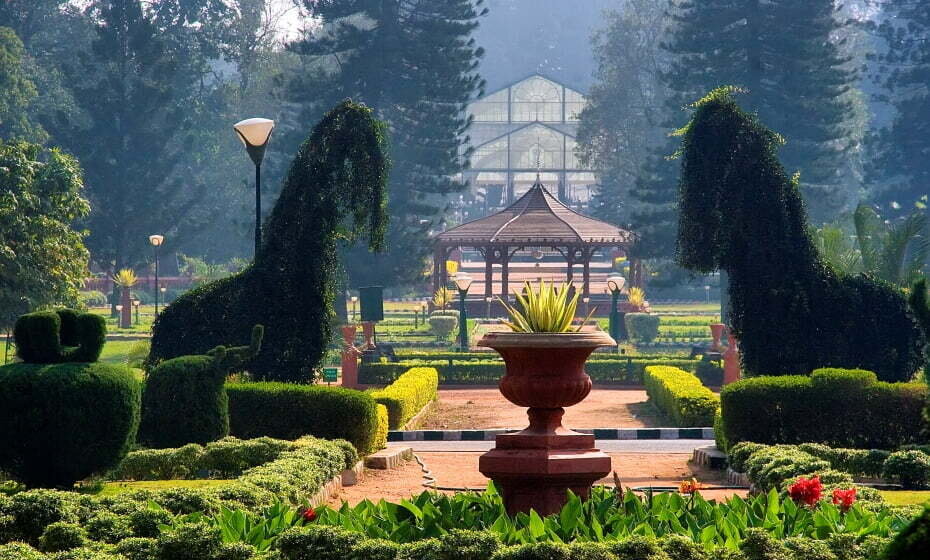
(716, 331)
(533, 468)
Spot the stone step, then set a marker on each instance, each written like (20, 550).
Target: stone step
(390, 458)
(710, 457)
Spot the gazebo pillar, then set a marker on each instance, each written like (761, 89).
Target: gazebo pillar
(440, 277)
(586, 274)
(505, 273)
(489, 272)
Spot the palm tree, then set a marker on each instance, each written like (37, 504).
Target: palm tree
(893, 251)
(838, 249)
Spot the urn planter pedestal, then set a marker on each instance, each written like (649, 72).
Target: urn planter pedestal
(534, 468)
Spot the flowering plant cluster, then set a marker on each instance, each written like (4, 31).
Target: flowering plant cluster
(689, 486)
(844, 498)
(806, 491)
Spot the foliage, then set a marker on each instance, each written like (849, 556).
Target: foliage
(338, 176)
(92, 298)
(65, 335)
(405, 397)
(17, 92)
(42, 256)
(201, 271)
(125, 278)
(643, 327)
(637, 297)
(287, 411)
(483, 372)
(442, 325)
(910, 468)
(895, 252)
(64, 422)
(138, 353)
(776, 276)
(816, 408)
(548, 309)
(239, 526)
(425, 74)
(920, 307)
(913, 541)
(185, 398)
(606, 517)
(837, 250)
(443, 297)
(681, 396)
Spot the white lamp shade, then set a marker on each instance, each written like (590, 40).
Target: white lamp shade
(462, 281)
(119, 307)
(616, 282)
(156, 240)
(254, 132)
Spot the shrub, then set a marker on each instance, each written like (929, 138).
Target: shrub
(62, 536)
(286, 411)
(642, 327)
(859, 462)
(384, 426)
(138, 353)
(404, 398)
(681, 396)
(64, 422)
(93, 298)
(913, 542)
(442, 325)
(709, 372)
(54, 337)
(823, 408)
(445, 313)
(769, 467)
(910, 468)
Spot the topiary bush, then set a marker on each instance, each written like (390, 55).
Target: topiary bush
(334, 193)
(741, 212)
(910, 468)
(185, 398)
(642, 327)
(913, 542)
(61, 423)
(442, 325)
(681, 396)
(54, 337)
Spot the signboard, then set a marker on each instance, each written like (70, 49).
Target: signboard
(372, 303)
(329, 374)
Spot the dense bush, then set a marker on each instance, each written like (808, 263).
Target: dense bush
(910, 468)
(93, 298)
(832, 407)
(185, 398)
(859, 462)
(54, 337)
(64, 422)
(710, 372)
(681, 396)
(414, 389)
(643, 327)
(913, 542)
(287, 411)
(625, 371)
(442, 325)
(742, 212)
(334, 194)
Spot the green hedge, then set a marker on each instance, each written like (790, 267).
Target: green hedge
(912, 542)
(60, 423)
(288, 411)
(681, 396)
(65, 335)
(622, 371)
(642, 327)
(414, 389)
(835, 407)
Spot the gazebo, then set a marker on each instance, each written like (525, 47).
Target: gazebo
(537, 220)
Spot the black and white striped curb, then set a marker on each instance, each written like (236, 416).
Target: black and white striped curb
(599, 433)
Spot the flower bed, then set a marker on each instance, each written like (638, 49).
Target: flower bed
(681, 396)
(413, 390)
(623, 371)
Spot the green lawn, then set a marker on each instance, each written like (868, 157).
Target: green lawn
(906, 497)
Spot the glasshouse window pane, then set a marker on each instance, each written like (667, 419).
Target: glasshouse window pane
(574, 104)
(536, 145)
(537, 99)
(492, 108)
(492, 155)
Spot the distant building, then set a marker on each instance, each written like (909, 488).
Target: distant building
(528, 126)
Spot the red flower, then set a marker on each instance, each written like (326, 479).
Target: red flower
(844, 498)
(308, 515)
(806, 491)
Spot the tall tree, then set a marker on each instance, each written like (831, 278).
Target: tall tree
(43, 261)
(415, 64)
(17, 91)
(798, 80)
(900, 169)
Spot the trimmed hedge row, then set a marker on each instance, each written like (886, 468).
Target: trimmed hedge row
(288, 411)
(628, 371)
(681, 396)
(414, 389)
(111, 527)
(841, 408)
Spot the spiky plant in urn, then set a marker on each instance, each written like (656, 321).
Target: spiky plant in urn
(544, 358)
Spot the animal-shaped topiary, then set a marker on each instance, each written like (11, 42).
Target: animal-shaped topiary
(335, 192)
(740, 212)
(921, 309)
(185, 398)
(55, 337)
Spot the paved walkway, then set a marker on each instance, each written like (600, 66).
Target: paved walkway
(650, 446)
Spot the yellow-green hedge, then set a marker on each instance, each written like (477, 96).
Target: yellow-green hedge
(381, 432)
(681, 396)
(407, 396)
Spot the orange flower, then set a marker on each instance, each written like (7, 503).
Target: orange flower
(689, 486)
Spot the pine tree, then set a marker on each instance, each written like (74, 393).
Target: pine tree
(900, 170)
(415, 64)
(797, 79)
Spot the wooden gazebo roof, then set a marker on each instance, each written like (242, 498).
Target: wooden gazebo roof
(536, 218)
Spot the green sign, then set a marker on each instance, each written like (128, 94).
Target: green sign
(329, 374)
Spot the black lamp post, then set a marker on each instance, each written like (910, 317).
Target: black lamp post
(156, 241)
(136, 303)
(615, 284)
(463, 282)
(255, 134)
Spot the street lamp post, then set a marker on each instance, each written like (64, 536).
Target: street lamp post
(354, 302)
(463, 282)
(119, 314)
(156, 241)
(587, 301)
(707, 294)
(137, 303)
(255, 134)
(615, 284)
(488, 300)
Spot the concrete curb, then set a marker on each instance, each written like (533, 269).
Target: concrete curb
(599, 433)
(348, 477)
(389, 458)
